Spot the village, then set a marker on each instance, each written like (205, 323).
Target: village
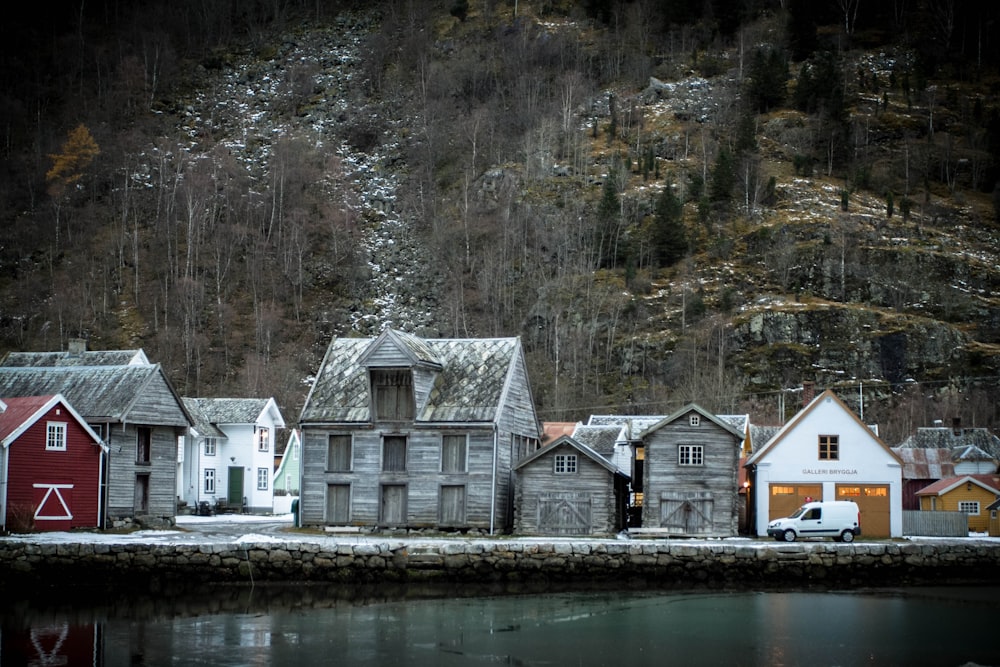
(403, 435)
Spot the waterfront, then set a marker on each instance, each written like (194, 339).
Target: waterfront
(463, 626)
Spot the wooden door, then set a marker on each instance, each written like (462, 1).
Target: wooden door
(788, 497)
(141, 494)
(873, 502)
(564, 513)
(338, 503)
(234, 494)
(393, 506)
(686, 513)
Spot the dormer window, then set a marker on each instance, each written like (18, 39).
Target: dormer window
(392, 391)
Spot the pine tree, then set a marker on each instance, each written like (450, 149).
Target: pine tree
(670, 243)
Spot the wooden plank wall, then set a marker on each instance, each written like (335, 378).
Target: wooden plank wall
(538, 477)
(162, 470)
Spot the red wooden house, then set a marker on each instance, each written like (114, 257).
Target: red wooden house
(51, 466)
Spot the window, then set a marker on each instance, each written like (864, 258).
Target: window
(143, 444)
(55, 439)
(970, 507)
(339, 454)
(565, 464)
(694, 420)
(338, 503)
(263, 440)
(209, 480)
(814, 514)
(453, 453)
(393, 395)
(829, 448)
(262, 477)
(777, 490)
(691, 455)
(394, 453)
(209, 446)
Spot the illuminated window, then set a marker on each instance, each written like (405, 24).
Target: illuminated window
(876, 491)
(263, 440)
(829, 448)
(849, 491)
(55, 439)
(782, 490)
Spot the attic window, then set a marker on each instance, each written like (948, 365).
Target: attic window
(694, 420)
(263, 440)
(829, 448)
(392, 391)
(565, 464)
(56, 437)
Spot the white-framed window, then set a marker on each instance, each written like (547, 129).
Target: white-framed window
(691, 455)
(55, 437)
(263, 474)
(565, 464)
(209, 446)
(694, 420)
(970, 507)
(454, 453)
(263, 439)
(209, 480)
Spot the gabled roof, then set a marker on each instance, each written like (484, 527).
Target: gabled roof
(470, 384)
(84, 358)
(415, 349)
(574, 444)
(235, 410)
(971, 453)
(602, 439)
(989, 482)
(552, 430)
(21, 412)
(705, 414)
(633, 425)
(797, 419)
(99, 393)
(941, 437)
(919, 463)
(760, 435)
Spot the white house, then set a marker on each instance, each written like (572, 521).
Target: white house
(826, 453)
(228, 458)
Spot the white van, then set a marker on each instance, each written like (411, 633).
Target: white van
(839, 519)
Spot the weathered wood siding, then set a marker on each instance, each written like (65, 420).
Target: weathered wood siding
(123, 469)
(422, 478)
(79, 466)
(589, 491)
(709, 487)
(157, 405)
(516, 421)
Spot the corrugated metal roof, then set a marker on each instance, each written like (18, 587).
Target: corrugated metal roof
(19, 409)
(939, 437)
(468, 388)
(925, 463)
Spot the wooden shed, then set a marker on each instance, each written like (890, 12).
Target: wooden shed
(690, 485)
(52, 465)
(969, 494)
(567, 488)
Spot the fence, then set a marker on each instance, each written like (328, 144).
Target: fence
(935, 523)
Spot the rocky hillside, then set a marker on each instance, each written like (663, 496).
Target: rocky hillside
(483, 168)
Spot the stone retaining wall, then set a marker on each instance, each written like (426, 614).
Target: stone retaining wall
(661, 562)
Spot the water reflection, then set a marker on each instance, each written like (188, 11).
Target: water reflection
(546, 626)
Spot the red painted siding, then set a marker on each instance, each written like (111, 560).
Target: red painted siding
(77, 467)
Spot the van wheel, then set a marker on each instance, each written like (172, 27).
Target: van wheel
(789, 535)
(847, 536)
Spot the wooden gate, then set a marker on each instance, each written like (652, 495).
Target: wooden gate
(686, 513)
(564, 513)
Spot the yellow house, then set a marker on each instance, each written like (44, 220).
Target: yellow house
(994, 511)
(970, 494)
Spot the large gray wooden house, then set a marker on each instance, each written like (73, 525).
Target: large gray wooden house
(402, 431)
(691, 461)
(130, 404)
(568, 488)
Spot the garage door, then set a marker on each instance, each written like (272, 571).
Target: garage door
(873, 501)
(786, 498)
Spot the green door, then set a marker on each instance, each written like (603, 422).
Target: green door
(235, 497)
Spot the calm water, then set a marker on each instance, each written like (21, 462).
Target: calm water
(306, 626)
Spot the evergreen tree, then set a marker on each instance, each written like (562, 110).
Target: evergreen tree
(723, 177)
(670, 243)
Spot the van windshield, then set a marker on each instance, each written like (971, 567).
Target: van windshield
(797, 513)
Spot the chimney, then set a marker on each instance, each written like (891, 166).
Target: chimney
(808, 393)
(76, 346)
(956, 425)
